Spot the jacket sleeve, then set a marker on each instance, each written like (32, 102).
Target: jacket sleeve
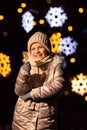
(49, 88)
(21, 84)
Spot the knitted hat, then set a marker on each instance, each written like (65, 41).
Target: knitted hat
(41, 38)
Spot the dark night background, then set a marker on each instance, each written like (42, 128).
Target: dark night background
(73, 107)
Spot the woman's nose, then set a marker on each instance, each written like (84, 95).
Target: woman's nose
(37, 49)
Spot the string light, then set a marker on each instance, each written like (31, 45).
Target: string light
(19, 10)
(72, 60)
(41, 21)
(70, 28)
(1, 17)
(23, 5)
(80, 10)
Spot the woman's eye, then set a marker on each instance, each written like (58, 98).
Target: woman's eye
(40, 46)
(32, 48)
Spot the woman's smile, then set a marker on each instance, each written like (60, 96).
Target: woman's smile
(37, 51)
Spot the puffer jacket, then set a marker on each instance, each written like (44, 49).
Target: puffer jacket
(39, 112)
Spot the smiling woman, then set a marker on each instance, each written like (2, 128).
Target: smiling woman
(38, 52)
(13, 41)
(39, 46)
(38, 85)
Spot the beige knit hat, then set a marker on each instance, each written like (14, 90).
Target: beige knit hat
(41, 38)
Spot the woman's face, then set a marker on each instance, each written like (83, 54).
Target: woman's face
(37, 51)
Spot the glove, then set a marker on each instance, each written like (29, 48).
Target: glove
(26, 67)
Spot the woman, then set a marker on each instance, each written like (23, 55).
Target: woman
(38, 85)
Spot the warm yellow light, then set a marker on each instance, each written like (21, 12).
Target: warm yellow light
(58, 34)
(1, 17)
(5, 33)
(72, 60)
(66, 92)
(19, 10)
(55, 42)
(80, 10)
(34, 23)
(23, 5)
(70, 28)
(41, 21)
(85, 98)
(5, 67)
(79, 84)
(48, 1)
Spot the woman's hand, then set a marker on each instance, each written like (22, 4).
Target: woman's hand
(26, 67)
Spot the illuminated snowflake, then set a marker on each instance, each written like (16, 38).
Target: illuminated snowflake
(56, 17)
(55, 42)
(5, 68)
(27, 21)
(79, 84)
(68, 46)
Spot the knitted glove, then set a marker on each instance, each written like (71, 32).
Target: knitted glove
(26, 67)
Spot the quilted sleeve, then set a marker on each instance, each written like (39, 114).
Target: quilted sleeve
(22, 83)
(50, 87)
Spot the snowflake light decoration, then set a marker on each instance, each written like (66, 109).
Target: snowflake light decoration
(68, 46)
(56, 17)
(27, 21)
(79, 84)
(55, 42)
(5, 68)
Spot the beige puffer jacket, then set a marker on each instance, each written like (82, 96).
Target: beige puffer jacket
(39, 112)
